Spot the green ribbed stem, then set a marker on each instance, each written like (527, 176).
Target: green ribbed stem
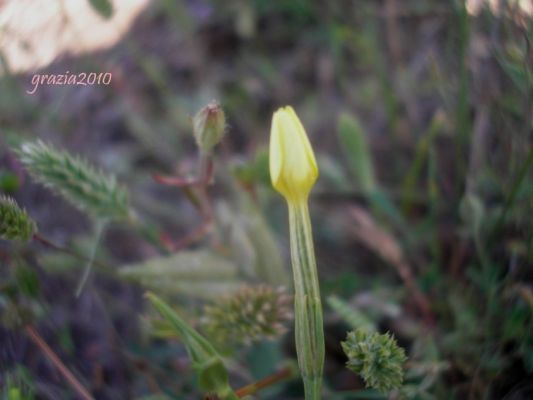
(309, 329)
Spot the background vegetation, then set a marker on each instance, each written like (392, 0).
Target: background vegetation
(420, 115)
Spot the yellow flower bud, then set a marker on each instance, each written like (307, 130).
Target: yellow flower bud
(293, 168)
(293, 171)
(209, 125)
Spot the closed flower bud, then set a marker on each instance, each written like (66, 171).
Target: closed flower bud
(209, 125)
(293, 168)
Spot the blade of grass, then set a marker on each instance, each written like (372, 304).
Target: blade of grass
(515, 189)
(421, 156)
(87, 270)
(462, 110)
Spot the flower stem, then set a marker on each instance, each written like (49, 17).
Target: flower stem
(309, 330)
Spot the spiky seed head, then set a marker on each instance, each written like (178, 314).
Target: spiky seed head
(252, 313)
(376, 357)
(84, 186)
(15, 223)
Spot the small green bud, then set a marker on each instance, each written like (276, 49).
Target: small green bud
(209, 125)
(15, 223)
(376, 357)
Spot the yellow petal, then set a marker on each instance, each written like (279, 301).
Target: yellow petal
(275, 148)
(293, 168)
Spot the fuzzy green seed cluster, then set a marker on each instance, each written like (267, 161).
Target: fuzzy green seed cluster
(84, 186)
(15, 223)
(376, 357)
(252, 313)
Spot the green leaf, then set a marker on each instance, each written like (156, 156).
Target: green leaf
(14, 394)
(27, 281)
(103, 7)
(264, 358)
(253, 243)
(19, 384)
(422, 154)
(351, 315)
(517, 72)
(9, 182)
(472, 211)
(212, 374)
(381, 202)
(355, 147)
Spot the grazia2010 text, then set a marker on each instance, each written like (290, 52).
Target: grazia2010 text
(79, 79)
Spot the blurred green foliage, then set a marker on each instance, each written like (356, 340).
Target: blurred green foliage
(420, 114)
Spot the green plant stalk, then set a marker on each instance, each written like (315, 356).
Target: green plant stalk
(212, 374)
(100, 225)
(309, 329)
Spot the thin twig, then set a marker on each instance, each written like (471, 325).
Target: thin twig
(279, 376)
(197, 234)
(177, 181)
(34, 336)
(204, 205)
